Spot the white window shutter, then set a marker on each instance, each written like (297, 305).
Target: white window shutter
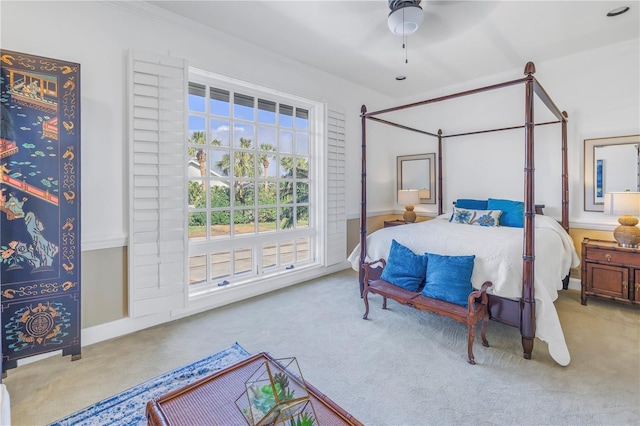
(336, 223)
(157, 176)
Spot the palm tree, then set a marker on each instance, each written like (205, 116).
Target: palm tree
(264, 159)
(200, 137)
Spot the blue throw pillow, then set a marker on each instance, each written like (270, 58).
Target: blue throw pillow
(449, 278)
(404, 268)
(467, 203)
(512, 212)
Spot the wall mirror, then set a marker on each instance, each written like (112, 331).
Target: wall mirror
(610, 164)
(418, 172)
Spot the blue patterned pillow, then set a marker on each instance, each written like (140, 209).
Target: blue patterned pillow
(404, 268)
(512, 212)
(476, 217)
(449, 278)
(468, 203)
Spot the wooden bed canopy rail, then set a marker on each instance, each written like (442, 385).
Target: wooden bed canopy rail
(519, 313)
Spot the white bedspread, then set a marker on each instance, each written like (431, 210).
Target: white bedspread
(498, 259)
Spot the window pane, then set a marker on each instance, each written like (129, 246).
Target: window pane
(220, 194)
(302, 217)
(244, 222)
(302, 249)
(197, 194)
(220, 265)
(286, 192)
(196, 97)
(266, 193)
(302, 168)
(197, 162)
(242, 260)
(286, 252)
(285, 142)
(219, 131)
(266, 111)
(243, 107)
(286, 116)
(244, 165)
(244, 194)
(302, 143)
(243, 136)
(286, 167)
(221, 224)
(197, 226)
(302, 119)
(286, 217)
(197, 269)
(269, 255)
(197, 131)
(220, 163)
(267, 219)
(267, 165)
(219, 102)
(302, 192)
(266, 138)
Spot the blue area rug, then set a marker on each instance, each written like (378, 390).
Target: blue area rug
(128, 408)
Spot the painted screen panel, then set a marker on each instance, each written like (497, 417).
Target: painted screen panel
(39, 206)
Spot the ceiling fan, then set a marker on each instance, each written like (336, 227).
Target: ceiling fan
(405, 16)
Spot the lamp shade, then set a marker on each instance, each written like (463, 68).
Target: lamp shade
(622, 203)
(408, 196)
(406, 19)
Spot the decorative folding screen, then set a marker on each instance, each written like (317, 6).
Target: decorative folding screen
(39, 206)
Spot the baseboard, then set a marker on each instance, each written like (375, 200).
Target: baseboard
(575, 284)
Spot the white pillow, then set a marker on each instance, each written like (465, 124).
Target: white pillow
(476, 217)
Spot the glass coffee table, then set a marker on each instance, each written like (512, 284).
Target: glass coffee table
(211, 400)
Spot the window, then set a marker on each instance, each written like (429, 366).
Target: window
(251, 209)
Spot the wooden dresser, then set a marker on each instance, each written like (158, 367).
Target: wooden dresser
(610, 271)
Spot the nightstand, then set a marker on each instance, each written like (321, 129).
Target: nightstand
(610, 271)
(397, 222)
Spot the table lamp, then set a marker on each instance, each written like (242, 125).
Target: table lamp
(408, 197)
(627, 205)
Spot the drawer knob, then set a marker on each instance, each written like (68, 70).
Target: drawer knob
(608, 257)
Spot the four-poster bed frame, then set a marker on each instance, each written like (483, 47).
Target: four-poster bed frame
(515, 312)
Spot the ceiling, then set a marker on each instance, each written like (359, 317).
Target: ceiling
(458, 41)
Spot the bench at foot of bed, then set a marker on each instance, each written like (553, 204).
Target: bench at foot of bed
(476, 311)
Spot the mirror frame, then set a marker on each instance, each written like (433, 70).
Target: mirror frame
(431, 158)
(590, 145)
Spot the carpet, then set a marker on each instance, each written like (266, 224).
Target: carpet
(128, 407)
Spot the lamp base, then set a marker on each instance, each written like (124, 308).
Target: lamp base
(409, 215)
(627, 234)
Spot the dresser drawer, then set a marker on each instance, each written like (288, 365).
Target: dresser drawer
(611, 256)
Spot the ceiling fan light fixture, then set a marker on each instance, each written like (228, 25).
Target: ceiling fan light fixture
(618, 11)
(405, 18)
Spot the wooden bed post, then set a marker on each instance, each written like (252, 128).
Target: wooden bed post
(528, 311)
(565, 174)
(440, 172)
(363, 199)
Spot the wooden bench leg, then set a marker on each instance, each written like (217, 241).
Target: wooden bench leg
(384, 302)
(485, 322)
(472, 335)
(366, 304)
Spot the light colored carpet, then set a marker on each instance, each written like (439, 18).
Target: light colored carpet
(400, 367)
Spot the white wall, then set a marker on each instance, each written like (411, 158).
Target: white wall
(98, 35)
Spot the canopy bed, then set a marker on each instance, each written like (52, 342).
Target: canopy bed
(512, 303)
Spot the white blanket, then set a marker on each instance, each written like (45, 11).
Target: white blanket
(498, 252)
